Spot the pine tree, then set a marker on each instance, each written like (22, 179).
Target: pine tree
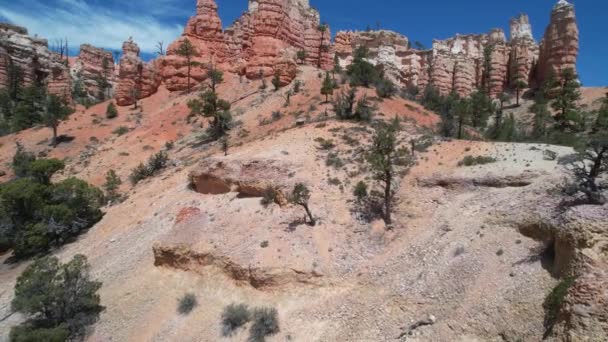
(462, 113)
(382, 158)
(601, 124)
(209, 105)
(327, 88)
(56, 111)
(337, 67)
(188, 51)
(301, 196)
(519, 85)
(565, 104)
(481, 108)
(487, 67)
(301, 56)
(323, 28)
(112, 185)
(542, 116)
(276, 81)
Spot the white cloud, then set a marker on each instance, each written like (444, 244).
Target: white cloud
(106, 27)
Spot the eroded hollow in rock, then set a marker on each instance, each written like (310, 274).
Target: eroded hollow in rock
(557, 253)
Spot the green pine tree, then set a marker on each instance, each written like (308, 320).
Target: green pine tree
(566, 103)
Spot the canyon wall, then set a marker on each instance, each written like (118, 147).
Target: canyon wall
(466, 63)
(35, 61)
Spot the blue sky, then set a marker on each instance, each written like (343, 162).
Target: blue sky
(107, 23)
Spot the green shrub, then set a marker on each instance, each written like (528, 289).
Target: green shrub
(111, 186)
(38, 216)
(186, 304)
(325, 144)
(156, 163)
(385, 88)
(111, 111)
(265, 323)
(21, 161)
(56, 299)
(360, 71)
(269, 196)
(29, 333)
(122, 130)
(334, 160)
(139, 173)
(234, 317)
(43, 169)
(479, 160)
(360, 191)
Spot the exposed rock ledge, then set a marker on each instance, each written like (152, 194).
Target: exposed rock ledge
(250, 178)
(183, 258)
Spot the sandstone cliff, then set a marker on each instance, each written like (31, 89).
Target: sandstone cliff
(33, 57)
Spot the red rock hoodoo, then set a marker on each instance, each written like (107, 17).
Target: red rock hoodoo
(136, 79)
(265, 41)
(92, 67)
(459, 64)
(560, 44)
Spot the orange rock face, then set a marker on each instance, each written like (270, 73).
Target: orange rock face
(560, 44)
(91, 66)
(263, 41)
(136, 79)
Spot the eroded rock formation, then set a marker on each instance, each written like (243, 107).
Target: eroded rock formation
(264, 41)
(136, 79)
(94, 67)
(249, 178)
(560, 44)
(466, 63)
(31, 55)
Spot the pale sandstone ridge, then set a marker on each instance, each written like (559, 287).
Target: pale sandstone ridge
(263, 41)
(33, 57)
(92, 65)
(560, 44)
(459, 64)
(136, 79)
